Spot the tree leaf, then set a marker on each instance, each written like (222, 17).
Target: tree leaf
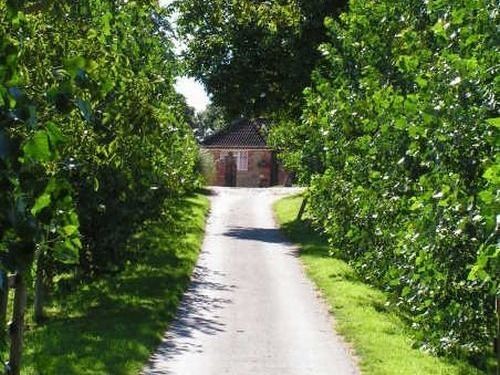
(494, 122)
(74, 64)
(37, 148)
(41, 202)
(85, 109)
(55, 135)
(70, 229)
(66, 252)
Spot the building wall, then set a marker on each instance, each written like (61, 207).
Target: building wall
(258, 173)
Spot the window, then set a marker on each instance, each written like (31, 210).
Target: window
(242, 157)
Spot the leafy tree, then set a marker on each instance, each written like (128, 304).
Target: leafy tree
(211, 120)
(92, 138)
(399, 139)
(35, 199)
(254, 57)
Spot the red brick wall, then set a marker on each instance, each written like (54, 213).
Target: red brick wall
(258, 173)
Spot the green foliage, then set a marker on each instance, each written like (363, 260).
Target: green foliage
(402, 158)
(254, 56)
(89, 326)
(104, 73)
(92, 133)
(363, 315)
(211, 120)
(206, 166)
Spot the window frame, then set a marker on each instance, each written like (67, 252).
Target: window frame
(241, 157)
(242, 161)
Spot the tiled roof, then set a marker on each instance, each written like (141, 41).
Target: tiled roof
(240, 134)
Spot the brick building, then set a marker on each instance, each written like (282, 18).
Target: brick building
(242, 157)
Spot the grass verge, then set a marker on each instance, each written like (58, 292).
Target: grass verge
(112, 325)
(379, 337)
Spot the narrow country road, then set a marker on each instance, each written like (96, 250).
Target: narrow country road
(250, 309)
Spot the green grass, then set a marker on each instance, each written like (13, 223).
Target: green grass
(112, 325)
(379, 337)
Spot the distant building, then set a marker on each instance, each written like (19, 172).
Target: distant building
(242, 157)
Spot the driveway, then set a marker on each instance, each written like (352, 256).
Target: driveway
(250, 308)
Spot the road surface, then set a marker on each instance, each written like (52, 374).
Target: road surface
(250, 308)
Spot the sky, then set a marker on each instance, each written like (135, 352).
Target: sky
(195, 93)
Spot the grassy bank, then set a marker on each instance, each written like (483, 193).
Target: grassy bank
(112, 325)
(380, 338)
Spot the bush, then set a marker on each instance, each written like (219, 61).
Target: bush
(92, 133)
(206, 166)
(407, 186)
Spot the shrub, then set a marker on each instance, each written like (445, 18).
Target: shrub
(206, 166)
(407, 186)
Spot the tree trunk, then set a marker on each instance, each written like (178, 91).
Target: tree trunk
(4, 298)
(497, 341)
(17, 326)
(39, 287)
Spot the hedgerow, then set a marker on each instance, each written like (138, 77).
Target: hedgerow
(399, 141)
(92, 136)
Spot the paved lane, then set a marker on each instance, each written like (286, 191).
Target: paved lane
(250, 308)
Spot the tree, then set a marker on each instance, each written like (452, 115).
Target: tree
(92, 139)
(254, 57)
(399, 140)
(209, 121)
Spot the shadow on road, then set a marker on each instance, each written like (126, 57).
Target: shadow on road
(197, 314)
(271, 235)
(268, 235)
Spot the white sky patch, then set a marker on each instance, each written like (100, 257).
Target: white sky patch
(195, 93)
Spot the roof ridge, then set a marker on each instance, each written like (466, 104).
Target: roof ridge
(240, 134)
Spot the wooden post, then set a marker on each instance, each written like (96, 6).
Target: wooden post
(16, 328)
(302, 209)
